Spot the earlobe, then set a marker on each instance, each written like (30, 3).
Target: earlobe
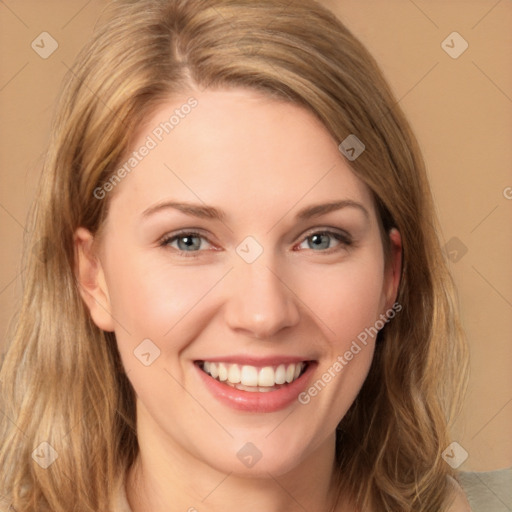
(91, 280)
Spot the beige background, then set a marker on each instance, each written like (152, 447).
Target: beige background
(461, 110)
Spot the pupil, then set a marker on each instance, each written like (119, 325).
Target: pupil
(318, 242)
(189, 242)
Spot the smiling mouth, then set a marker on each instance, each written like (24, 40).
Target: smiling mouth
(253, 378)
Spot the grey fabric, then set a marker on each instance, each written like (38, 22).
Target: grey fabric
(488, 492)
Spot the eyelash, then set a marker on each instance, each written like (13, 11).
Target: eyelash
(343, 238)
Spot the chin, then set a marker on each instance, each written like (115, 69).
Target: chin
(259, 458)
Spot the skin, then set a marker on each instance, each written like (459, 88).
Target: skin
(261, 161)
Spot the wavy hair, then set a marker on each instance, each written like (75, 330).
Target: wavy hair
(62, 380)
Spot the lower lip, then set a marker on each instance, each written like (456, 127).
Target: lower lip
(249, 401)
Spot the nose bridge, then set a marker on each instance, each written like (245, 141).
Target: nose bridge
(259, 302)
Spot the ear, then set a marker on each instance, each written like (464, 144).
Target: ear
(393, 267)
(91, 280)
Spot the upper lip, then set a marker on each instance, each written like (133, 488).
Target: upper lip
(256, 361)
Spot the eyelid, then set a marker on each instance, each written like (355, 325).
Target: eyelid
(345, 235)
(186, 231)
(170, 237)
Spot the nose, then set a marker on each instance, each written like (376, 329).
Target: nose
(260, 302)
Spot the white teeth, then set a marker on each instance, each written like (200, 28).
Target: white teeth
(290, 372)
(280, 376)
(234, 374)
(223, 372)
(253, 389)
(266, 377)
(252, 378)
(214, 370)
(249, 376)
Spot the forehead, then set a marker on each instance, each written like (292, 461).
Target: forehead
(238, 149)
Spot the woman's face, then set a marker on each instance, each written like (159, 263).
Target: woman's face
(240, 244)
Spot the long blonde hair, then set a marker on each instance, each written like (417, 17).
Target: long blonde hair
(62, 381)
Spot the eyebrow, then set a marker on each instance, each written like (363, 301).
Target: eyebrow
(322, 209)
(210, 212)
(196, 210)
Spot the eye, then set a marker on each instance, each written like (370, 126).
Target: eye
(323, 240)
(185, 242)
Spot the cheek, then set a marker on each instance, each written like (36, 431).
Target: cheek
(165, 304)
(348, 307)
(150, 298)
(347, 299)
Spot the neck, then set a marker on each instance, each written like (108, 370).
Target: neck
(171, 479)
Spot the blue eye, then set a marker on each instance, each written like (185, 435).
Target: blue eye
(322, 240)
(186, 242)
(190, 243)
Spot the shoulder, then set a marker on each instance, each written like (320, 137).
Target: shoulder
(457, 501)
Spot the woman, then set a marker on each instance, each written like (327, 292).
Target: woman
(240, 299)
